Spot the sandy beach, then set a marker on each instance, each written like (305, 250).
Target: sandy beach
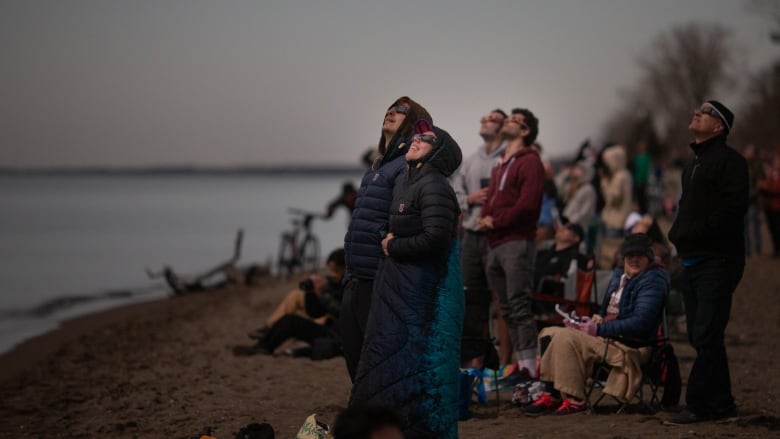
(165, 369)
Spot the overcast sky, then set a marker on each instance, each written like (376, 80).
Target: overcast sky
(201, 82)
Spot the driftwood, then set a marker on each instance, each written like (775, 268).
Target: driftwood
(225, 273)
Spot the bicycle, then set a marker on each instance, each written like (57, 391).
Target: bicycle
(299, 247)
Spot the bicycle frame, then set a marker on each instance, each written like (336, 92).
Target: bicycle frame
(299, 248)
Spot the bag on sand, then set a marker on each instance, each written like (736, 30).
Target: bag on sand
(314, 429)
(256, 431)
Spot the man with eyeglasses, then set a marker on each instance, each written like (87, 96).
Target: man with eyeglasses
(509, 218)
(470, 183)
(709, 235)
(369, 223)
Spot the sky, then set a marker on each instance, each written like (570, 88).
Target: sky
(244, 83)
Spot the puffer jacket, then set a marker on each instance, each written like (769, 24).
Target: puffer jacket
(411, 353)
(362, 243)
(422, 212)
(639, 311)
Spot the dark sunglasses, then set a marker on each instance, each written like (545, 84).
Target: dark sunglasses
(522, 125)
(400, 109)
(427, 138)
(493, 119)
(709, 111)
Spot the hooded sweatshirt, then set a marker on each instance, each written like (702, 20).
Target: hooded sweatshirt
(581, 207)
(514, 198)
(617, 188)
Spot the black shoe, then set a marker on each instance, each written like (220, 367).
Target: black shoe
(259, 334)
(688, 417)
(246, 351)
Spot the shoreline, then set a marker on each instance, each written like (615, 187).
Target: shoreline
(33, 350)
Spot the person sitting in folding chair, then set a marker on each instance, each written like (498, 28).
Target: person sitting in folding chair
(631, 314)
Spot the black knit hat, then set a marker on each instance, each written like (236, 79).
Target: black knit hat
(637, 243)
(726, 116)
(576, 229)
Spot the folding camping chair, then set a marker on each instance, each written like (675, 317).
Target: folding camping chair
(585, 301)
(661, 370)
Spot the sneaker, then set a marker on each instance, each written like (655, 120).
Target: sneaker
(569, 406)
(527, 392)
(545, 404)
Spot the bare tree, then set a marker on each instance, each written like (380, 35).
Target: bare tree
(770, 10)
(761, 112)
(681, 68)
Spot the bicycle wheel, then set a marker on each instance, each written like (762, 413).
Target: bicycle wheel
(286, 262)
(310, 254)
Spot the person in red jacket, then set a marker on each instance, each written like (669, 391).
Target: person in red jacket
(509, 218)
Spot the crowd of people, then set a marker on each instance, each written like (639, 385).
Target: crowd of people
(442, 249)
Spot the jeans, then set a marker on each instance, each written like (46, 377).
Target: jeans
(708, 288)
(510, 274)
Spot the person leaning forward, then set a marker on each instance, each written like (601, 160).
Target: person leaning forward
(709, 235)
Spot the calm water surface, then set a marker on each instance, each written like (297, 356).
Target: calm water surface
(82, 243)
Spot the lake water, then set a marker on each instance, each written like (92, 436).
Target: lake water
(71, 245)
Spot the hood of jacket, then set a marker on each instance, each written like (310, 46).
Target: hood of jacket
(406, 130)
(615, 158)
(445, 156)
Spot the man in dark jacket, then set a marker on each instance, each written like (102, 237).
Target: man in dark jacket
(369, 223)
(509, 217)
(709, 236)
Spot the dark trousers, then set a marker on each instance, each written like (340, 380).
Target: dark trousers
(707, 289)
(353, 318)
(473, 260)
(773, 223)
(293, 326)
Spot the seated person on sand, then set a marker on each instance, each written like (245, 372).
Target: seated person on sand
(319, 298)
(632, 312)
(552, 264)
